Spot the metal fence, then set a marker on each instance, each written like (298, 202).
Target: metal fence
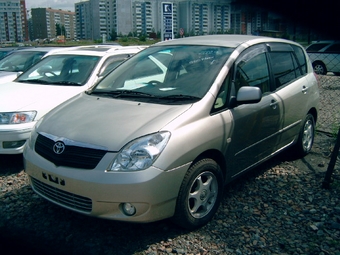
(329, 111)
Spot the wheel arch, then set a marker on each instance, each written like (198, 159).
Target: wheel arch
(215, 155)
(314, 112)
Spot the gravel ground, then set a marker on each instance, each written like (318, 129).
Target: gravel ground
(279, 208)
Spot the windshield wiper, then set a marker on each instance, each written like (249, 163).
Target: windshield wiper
(180, 97)
(65, 83)
(121, 93)
(39, 81)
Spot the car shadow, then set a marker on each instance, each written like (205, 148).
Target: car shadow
(61, 231)
(45, 228)
(10, 164)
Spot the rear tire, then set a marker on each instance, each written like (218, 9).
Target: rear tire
(306, 137)
(319, 68)
(200, 195)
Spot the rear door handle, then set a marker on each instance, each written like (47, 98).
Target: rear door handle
(304, 89)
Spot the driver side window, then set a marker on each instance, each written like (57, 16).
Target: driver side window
(253, 71)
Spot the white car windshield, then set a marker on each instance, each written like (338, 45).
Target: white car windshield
(165, 72)
(61, 70)
(20, 61)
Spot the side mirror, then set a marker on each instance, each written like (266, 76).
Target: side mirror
(248, 95)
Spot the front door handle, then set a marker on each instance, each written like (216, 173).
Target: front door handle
(273, 104)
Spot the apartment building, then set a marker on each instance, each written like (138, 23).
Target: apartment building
(99, 19)
(95, 18)
(84, 28)
(123, 17)
(13, 21)
(45, 22)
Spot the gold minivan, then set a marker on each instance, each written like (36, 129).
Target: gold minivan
(163, 133)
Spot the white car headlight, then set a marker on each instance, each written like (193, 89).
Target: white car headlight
(17, 117)
(140, 153)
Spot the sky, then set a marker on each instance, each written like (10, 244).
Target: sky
(66, 5)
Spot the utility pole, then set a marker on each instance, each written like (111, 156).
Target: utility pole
(335, 153)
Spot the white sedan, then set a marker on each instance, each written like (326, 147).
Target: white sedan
(55, 79)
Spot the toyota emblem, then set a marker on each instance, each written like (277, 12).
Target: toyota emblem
(58, 147)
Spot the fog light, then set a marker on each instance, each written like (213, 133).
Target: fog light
(13, 144)
(128, 209)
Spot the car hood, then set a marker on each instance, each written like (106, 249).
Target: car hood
(106, 122)
(7, 76)
(16, 96)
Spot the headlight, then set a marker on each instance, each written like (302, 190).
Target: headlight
(140, 153)
(17, 117)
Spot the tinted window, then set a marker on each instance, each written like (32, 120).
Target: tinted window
(283, 67)
(112, 62)
(253, 72)
(301, 59)
(316, 47)
(335, 48)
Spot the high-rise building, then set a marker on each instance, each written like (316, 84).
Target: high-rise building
(204, 16)
(46, 21)
(13, 21)
(122, 16)
(96, 18)
(84, 28)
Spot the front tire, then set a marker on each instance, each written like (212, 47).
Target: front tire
(306, 137)
(200, 195)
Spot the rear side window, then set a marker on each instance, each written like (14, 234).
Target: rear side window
(301, 59)
(285, 67)
(316, 47)
(335, 48)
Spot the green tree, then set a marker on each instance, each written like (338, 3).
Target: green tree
(142, 37)
(113, 35)
(60, 29)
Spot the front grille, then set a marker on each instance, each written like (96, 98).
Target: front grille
(73, 156)
(68, 199)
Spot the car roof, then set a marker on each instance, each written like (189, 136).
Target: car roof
(324, 41)
(99, 50)
(42, 49)
(231, 41)
(8, 48)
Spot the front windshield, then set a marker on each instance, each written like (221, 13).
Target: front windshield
(20, 61)
(165, 72)
(61, 70)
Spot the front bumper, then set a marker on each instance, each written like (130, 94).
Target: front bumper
(14, 137)
(153, 192)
